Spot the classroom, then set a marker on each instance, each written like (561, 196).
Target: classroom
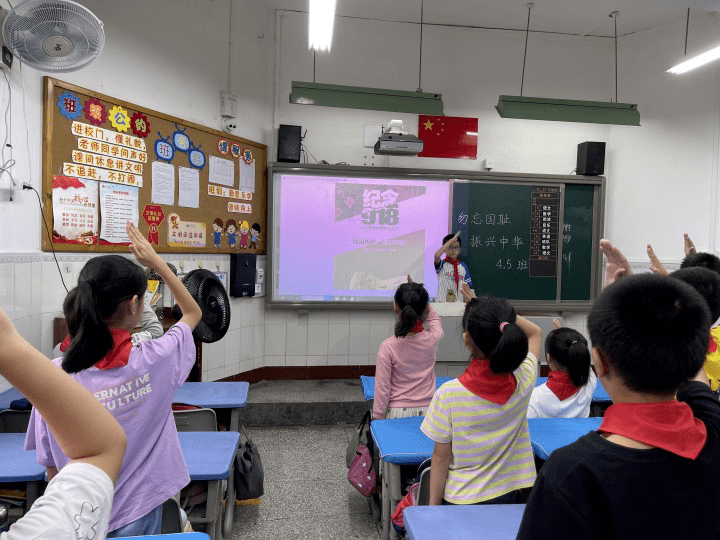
(176, 57)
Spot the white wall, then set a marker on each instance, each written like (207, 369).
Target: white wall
(167, 55)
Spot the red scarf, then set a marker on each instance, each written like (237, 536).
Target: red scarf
(669, 425)
(485, 383)
(560, 384)
(455, 263)
(418, 327)
(118, 355)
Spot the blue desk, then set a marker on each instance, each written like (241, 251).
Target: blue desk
(400, 442)
(368, 384)
(549, 434)
(479, 522)
(210, 455)
(19, 465)
(600, 395)
(176, 536)
(7, 396)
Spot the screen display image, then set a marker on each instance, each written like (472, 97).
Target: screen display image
(340, 239)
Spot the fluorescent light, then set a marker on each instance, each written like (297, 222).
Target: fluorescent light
(696, 61)
(471, 133)
(320, 26)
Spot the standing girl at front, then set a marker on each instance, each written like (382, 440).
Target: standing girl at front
(571, 383)
(479, 421)
(405, 376)
(135, 383)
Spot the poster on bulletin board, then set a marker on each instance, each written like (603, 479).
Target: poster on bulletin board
(189, 188)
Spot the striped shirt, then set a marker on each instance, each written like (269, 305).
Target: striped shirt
(446, 280)
(491, 448)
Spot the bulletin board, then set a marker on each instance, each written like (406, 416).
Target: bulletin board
(189, 188)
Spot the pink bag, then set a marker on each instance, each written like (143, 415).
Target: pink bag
(361, 473)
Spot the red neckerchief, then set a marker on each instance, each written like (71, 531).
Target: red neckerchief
(669, 425)
(485, 383)
(418, 327)
(560, 384)
(118, 356)
(455, 263)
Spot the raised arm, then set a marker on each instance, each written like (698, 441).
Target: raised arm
(655, 265)
(533, 333)
(444, 247)
(616, 264)
(688, 245)
(145, 255)
(84, 430)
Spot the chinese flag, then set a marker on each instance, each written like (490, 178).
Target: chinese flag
(448, 136)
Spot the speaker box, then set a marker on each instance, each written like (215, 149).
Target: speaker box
(591, 158)
(288, 143)
(243, 267)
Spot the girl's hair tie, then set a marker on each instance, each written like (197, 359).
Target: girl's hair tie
(573, 343)
(502, 326)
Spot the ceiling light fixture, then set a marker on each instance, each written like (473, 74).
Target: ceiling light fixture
(320, 24)
(695, 61)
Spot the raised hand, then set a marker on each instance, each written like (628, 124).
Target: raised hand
(655, 265)
(141, 248)
(688, 245)
(616, 264)
(557, 323)
(467, 292)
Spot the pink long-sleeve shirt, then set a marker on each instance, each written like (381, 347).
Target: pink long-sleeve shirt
(405, 376)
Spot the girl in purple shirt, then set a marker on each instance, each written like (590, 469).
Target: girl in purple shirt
(136, 384)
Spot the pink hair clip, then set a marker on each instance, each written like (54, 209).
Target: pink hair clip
(502, 326)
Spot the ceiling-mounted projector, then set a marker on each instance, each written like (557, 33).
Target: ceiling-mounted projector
(395, 141)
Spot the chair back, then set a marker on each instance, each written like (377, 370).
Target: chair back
(423, 492)
(171, 519)
(195, 420)
(12, 421)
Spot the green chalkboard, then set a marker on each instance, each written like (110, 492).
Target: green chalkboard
(514, 236)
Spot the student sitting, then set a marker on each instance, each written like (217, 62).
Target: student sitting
(136, 384)
(571, 382)
(651, 470)
(77, 502)
(482, 448)
(405, 376)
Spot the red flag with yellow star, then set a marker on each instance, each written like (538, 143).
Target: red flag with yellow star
(448, 136)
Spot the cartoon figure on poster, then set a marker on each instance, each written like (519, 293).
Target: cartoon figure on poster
(231, 232)
(255, 236)
(218, 232)
(197, 158)
(454, 281)
(244, 230)
(180, 139)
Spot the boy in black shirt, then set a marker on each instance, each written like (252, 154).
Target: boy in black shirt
(652, 470)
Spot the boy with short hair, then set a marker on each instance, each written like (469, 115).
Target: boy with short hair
(652, 470)
(454, 281)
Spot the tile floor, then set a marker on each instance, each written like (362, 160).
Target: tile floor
(307, 495)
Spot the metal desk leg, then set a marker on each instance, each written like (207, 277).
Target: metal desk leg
(229, 503)
(212, 509)
(235, 419)
(391, 495)
(31, 493)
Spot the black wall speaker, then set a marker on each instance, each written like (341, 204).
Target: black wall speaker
(591, 158)
(288, 143)
(243, 267)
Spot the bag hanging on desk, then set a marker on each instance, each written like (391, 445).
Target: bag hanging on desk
(361, 473)
(249, 474)
(361, 436)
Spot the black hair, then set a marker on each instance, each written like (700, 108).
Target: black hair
(569, 348)
(448, 237)
(704, 281)
(412, 299)
(652, 331)
(704, 260)
(103, 284)
(505, 349)
(256, 226)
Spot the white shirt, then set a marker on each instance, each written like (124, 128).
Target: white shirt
(446, 280)
(76, 506)
(545, 404)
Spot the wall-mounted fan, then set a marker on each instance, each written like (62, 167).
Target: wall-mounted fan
(53, 35)
(209, 292)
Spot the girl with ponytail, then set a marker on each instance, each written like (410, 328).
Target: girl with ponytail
(571, 383)
(478, 421)
(135, 383)
(405, 372)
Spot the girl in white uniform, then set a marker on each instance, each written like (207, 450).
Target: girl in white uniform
(571, 383)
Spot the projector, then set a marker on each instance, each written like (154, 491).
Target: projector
(398, 142)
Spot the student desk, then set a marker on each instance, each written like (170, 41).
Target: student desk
(368, 385)
(399, 442)
(175, 536)
(549, 434)
(210, 455)
(215, 395)
(19, 465)
(479, 522)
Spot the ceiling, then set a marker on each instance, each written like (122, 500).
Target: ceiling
(583, 17)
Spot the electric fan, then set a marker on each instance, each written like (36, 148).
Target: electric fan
(53, 35)
(209, 293)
